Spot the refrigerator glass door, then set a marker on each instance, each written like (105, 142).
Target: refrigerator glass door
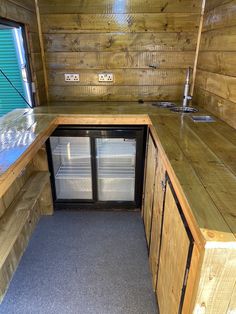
(116, 158)
(71, 158)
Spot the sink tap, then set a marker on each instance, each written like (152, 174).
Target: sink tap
(186, 96)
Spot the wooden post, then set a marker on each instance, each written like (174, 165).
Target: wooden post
(198, 47)
(42, 49)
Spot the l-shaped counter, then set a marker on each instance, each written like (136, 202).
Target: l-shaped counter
(200, 159)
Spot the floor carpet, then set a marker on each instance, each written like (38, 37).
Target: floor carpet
(85, 263)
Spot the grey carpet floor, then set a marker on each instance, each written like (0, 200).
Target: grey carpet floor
(85, 263)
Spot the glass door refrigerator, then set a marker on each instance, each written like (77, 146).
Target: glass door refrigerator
(97, 167)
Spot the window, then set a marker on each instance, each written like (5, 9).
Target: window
(15, 78)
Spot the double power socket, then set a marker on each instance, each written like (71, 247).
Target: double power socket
(102, 77)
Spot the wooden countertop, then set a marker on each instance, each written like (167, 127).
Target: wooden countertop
(201, 157)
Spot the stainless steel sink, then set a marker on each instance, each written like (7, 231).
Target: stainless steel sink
(164, 104)
(184, 109)
(203, 119)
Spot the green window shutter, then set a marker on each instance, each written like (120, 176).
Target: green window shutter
(10, 65)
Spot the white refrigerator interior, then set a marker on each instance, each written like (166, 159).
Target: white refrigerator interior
(71, 158)
(116, 161)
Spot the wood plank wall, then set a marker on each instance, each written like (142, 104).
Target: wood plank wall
(23, 11)
(122, 37)
(216, 71)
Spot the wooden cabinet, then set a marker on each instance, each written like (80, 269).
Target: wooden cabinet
(157, 210)
(149, 187)
(169, 240)
(175, 255)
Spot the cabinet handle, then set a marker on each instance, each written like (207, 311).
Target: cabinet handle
(163, 185)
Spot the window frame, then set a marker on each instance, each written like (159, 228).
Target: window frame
(23, 27)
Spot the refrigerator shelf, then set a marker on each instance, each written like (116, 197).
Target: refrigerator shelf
(127, 148)
(78, 151)
(73, 172)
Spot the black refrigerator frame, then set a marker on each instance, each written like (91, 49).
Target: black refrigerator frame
(138, 132)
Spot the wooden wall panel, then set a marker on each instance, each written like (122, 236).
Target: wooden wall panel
(211, 4)
(221, 62)
(103, 23)
(111, 6)
(218, 84)
(223, 39)
(18, 13)
(24, 12)
(27, 4)
(120, 42)
(217, 105)
(114, 93)
(221, 16)
(215, 87)
(123, 77)
(92, 36)
(119, 60)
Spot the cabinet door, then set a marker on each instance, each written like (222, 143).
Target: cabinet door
(175, 250)
(158, 197)
(149, 187)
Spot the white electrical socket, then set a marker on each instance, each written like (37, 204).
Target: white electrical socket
(72, 77)
(105, 77)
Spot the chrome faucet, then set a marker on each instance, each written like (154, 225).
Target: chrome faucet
(186, 96)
